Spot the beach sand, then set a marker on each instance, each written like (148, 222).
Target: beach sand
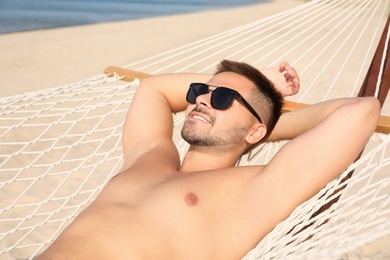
(42, 59)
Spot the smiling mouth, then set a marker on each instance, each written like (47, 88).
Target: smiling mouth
(200, 118)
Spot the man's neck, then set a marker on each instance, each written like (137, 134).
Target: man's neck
(206, 158)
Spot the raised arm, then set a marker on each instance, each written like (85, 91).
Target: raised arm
(326, 139)
(149, 120)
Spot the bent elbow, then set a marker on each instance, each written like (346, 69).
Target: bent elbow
(372, 107)
(370, 110)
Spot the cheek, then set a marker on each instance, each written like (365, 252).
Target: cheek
(234, 117)
(227, 120)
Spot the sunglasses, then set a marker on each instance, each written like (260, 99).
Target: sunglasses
(221, 97)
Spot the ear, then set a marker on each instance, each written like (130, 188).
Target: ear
(257, 132)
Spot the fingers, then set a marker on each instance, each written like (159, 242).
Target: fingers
(290, 72)
(285, 67)
(282, 66)
(296, 84)
(291, 76)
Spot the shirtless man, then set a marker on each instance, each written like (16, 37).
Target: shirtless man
(205, 207)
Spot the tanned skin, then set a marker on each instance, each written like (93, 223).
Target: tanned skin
(204, 207)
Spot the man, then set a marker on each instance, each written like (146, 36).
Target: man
(204, 207)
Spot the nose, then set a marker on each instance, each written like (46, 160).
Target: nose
(204, 100)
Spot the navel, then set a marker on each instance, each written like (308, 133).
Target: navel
(191, 199)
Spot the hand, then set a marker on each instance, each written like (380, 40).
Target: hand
(284, 77)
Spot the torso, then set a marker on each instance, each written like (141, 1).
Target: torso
(160, 213)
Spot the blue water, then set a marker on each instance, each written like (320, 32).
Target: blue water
(24, 15)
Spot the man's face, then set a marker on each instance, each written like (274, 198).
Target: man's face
(206, 126)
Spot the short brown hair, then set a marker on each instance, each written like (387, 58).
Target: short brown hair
(267, 101)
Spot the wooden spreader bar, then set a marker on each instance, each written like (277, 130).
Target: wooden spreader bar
(129, 75)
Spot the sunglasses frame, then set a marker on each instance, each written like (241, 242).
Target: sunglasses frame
(233, 94)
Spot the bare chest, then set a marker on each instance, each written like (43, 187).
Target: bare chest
(193, 192)
(205, 213)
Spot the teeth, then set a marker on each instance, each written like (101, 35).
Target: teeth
(200, 118)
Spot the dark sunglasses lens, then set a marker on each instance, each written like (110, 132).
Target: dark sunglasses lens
(196, 90)
(221, 98)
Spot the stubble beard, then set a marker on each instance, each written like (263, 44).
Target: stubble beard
(205, 137)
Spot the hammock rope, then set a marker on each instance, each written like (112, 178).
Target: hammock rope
(382, 66)
(60, 146)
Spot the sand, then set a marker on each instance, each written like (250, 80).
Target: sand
(41, 59)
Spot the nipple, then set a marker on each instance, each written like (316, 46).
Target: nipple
(191, 199)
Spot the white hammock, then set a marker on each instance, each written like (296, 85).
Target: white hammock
(59, 147)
